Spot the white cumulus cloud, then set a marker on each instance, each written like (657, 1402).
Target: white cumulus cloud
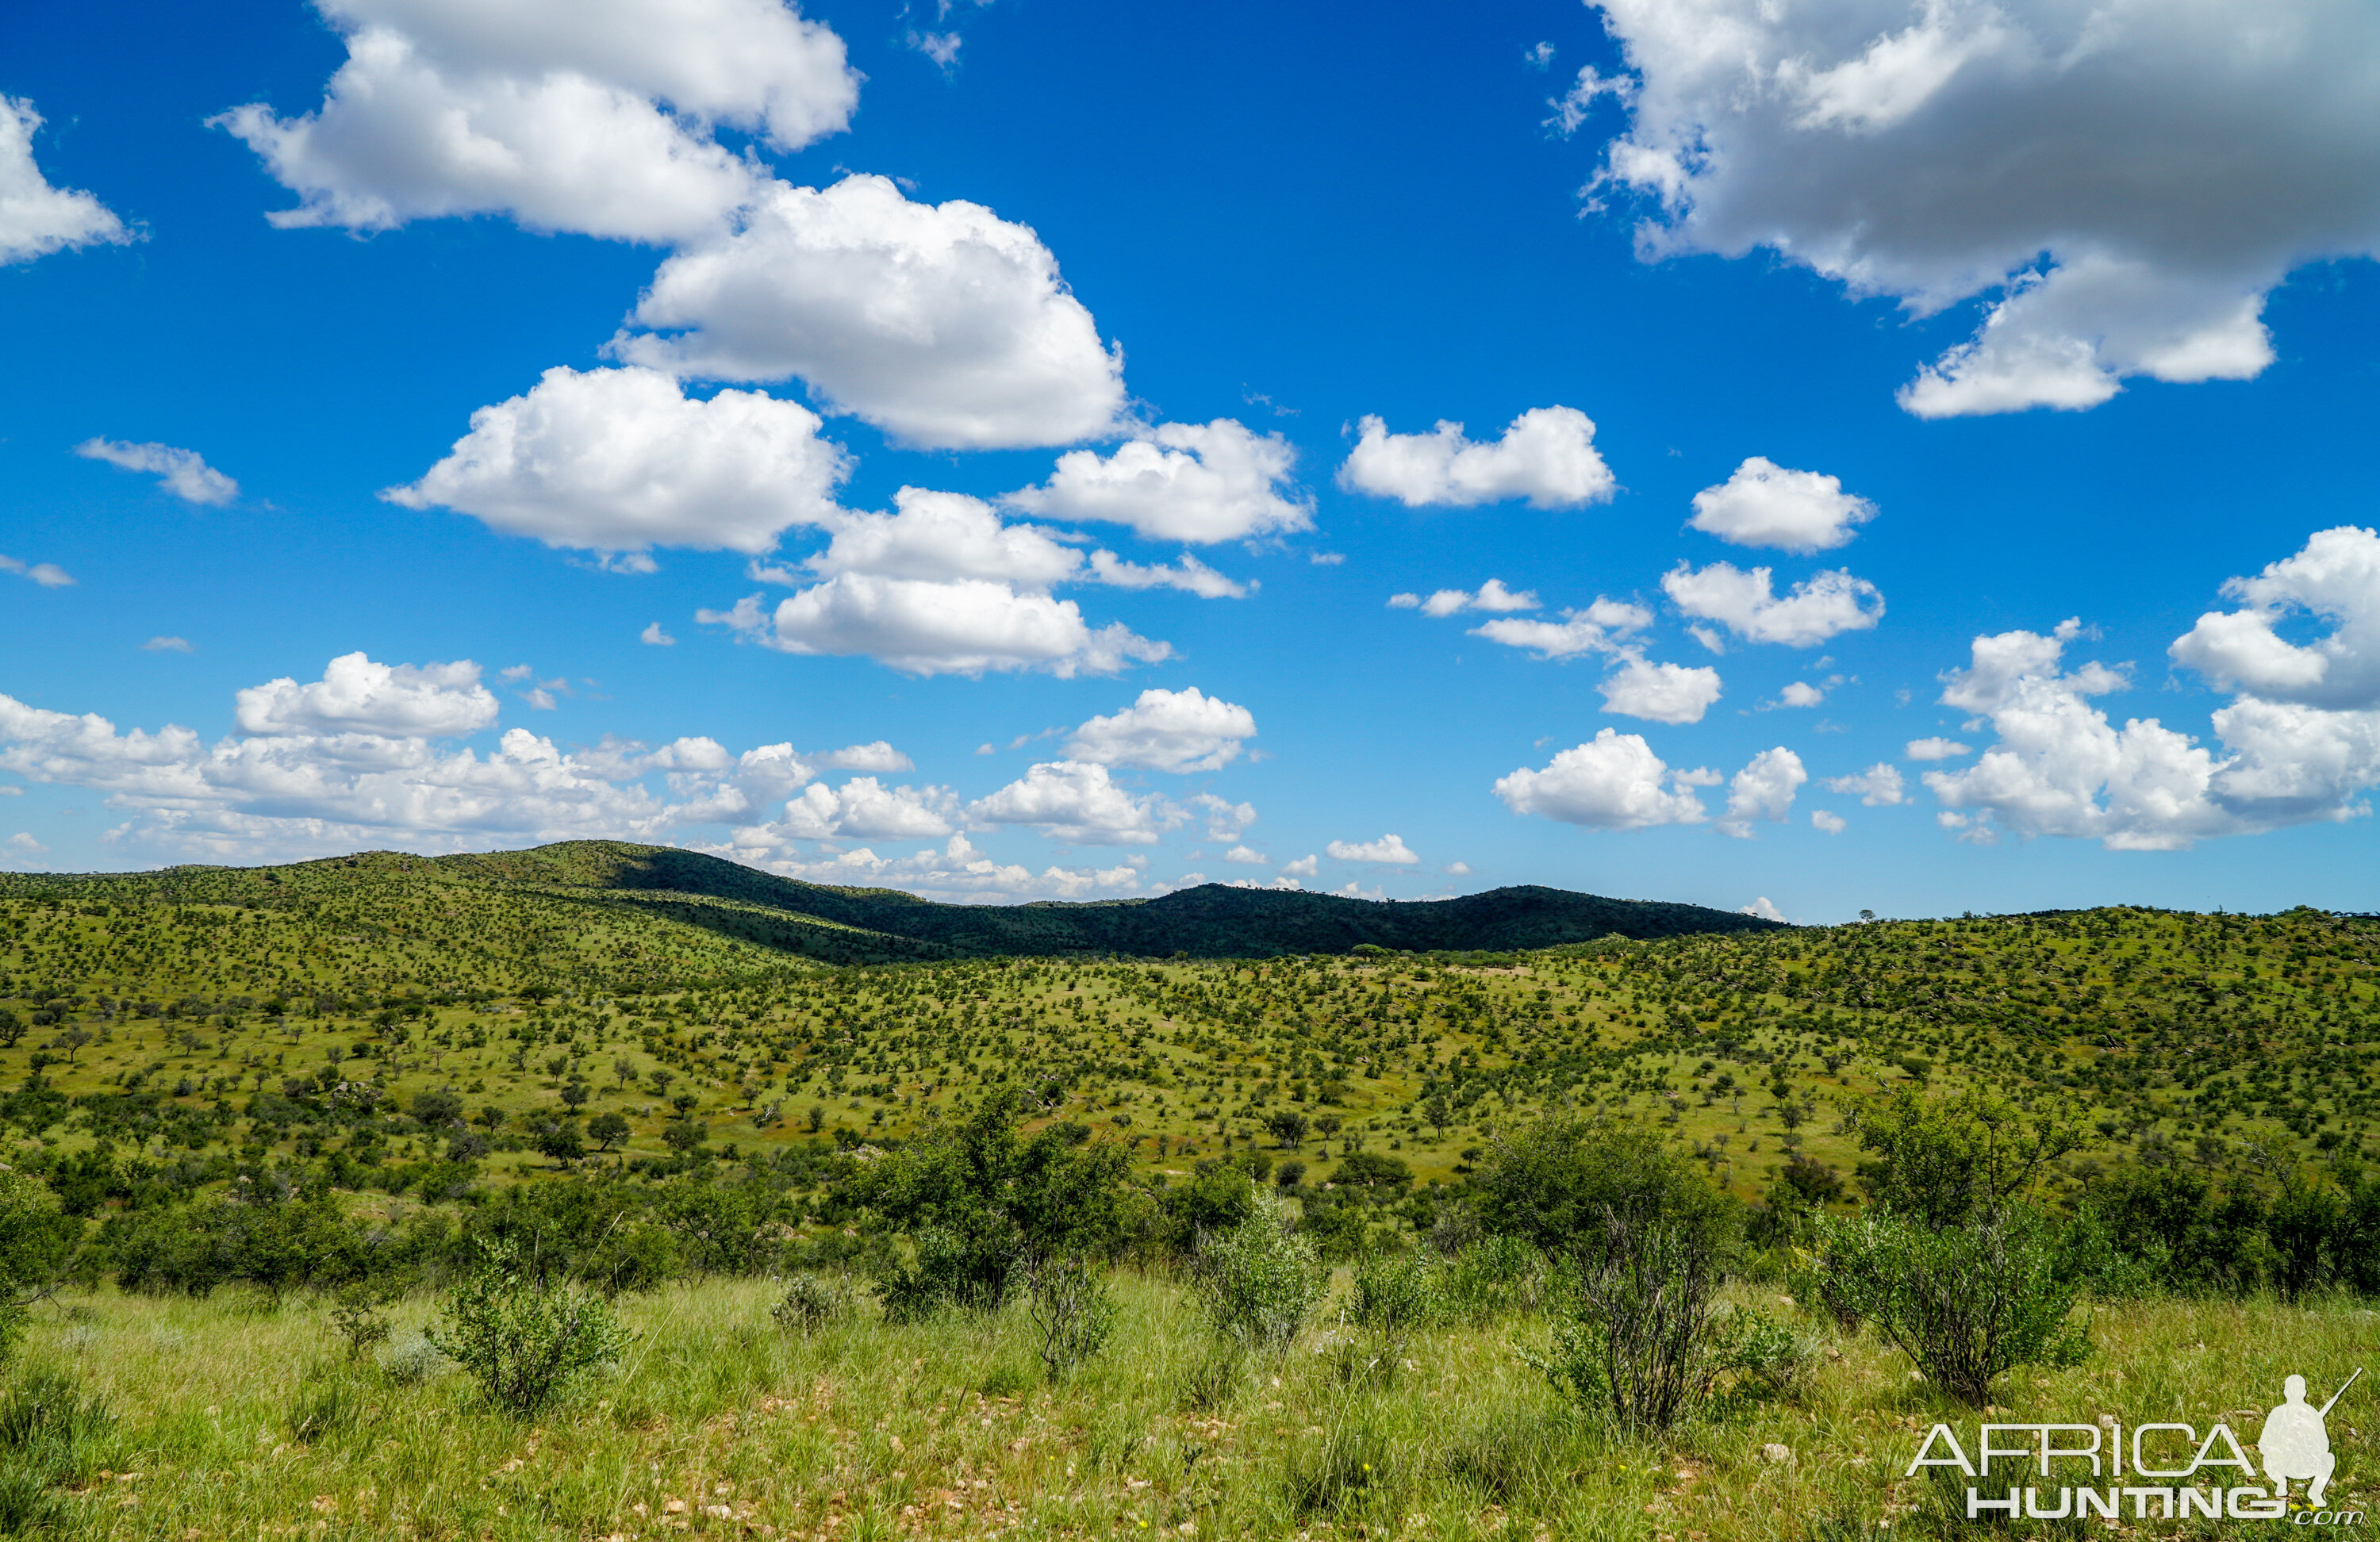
(1077, 802)
(1660, 693)
(1546, 456)
(2126, 182)
(1613, 782)
(1819, 607)
(37, 219)
(180, 472)
(1764, 789)
(619, 460)
(865, 809)
(1192, 482)
(943, 324)
(358, 695)
(1601, 628)
(49, 575)
(1388, 849)
(1826, 822)
(1491, 596)
(1879, 784)
(1764, 908)
(2335, 578)
(1171, 731)
(1766, 504)
(587, 115)
(875, 756)
(1936, 750)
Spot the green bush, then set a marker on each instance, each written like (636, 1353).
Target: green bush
(1967, 1302)
(1396, 1293)
(811, 1302)
(1641, 1348)
(1074, 1310)
(1493, 1276)
(1558, 1184)
(1259, 1281)
(525, 1340)
(978, 1198)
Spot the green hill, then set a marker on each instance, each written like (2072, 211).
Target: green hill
(844, 925)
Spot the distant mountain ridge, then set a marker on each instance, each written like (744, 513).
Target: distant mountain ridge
(1212, 920)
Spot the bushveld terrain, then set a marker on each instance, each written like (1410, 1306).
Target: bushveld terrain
(263, 1119)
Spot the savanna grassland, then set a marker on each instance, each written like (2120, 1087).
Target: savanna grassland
(261, 1123)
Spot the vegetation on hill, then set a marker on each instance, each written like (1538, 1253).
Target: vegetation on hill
(322, 1086)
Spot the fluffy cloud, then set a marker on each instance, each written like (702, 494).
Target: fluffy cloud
(179, 472)
(940, 586)
(2172, 166)
(1613, 782)
(1826, 822)
(1546, 456)
(653, 637)
(1936, 750)
(1388, 849)
(1602, 628)
(1492, 596)
(35, 218)
(943, 324)
(1173, 731)
(49, 575)
(1076, 801)
(1189, 574)
(1817, 608)
(958, 871)
(1659, 693)
(1800, 693)
(1764, 908)
(875, 756)
(964, 627)
(565, 115)
(1247, 856)
(2059, 767)
(358, 696)
(1226, 821)
(1764, 789)
(619, 460)
(1879, 784)
(1304, 867)
(866, 809)
(1188, 482)
(2337, 578)
(1765, 505)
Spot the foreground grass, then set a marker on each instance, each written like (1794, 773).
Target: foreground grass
(234, 1419)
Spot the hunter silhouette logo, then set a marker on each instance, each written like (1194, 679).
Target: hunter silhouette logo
(2295, 1442)
(2159, 1470)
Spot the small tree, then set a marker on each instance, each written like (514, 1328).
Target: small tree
(524, 1341)
(1288, 1127)
(12, 1028)
(1968, 1301)
(1259, 1281)
(1642, 1347)
(1074, 1310)
(609, 1130)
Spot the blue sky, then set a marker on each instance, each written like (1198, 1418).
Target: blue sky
(1949, 316)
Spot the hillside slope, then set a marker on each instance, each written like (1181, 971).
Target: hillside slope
(846, 925)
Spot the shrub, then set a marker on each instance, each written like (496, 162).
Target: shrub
(1966, 1302)
(1074, 1310)
(1765, 1358)
(810, 1303)
(524, 1341)
(1492, 1275)
(1640, 1347)
(1560, 1184)
(360, 1312)
(1395, 1293)
(1259, 1281)
(977, 1200)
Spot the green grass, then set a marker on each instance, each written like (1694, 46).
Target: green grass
(950, 1430)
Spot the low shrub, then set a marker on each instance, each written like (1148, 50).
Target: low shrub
(811, 1302)
(1259, 1281)
(1074, 1311)
(524, 1341)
